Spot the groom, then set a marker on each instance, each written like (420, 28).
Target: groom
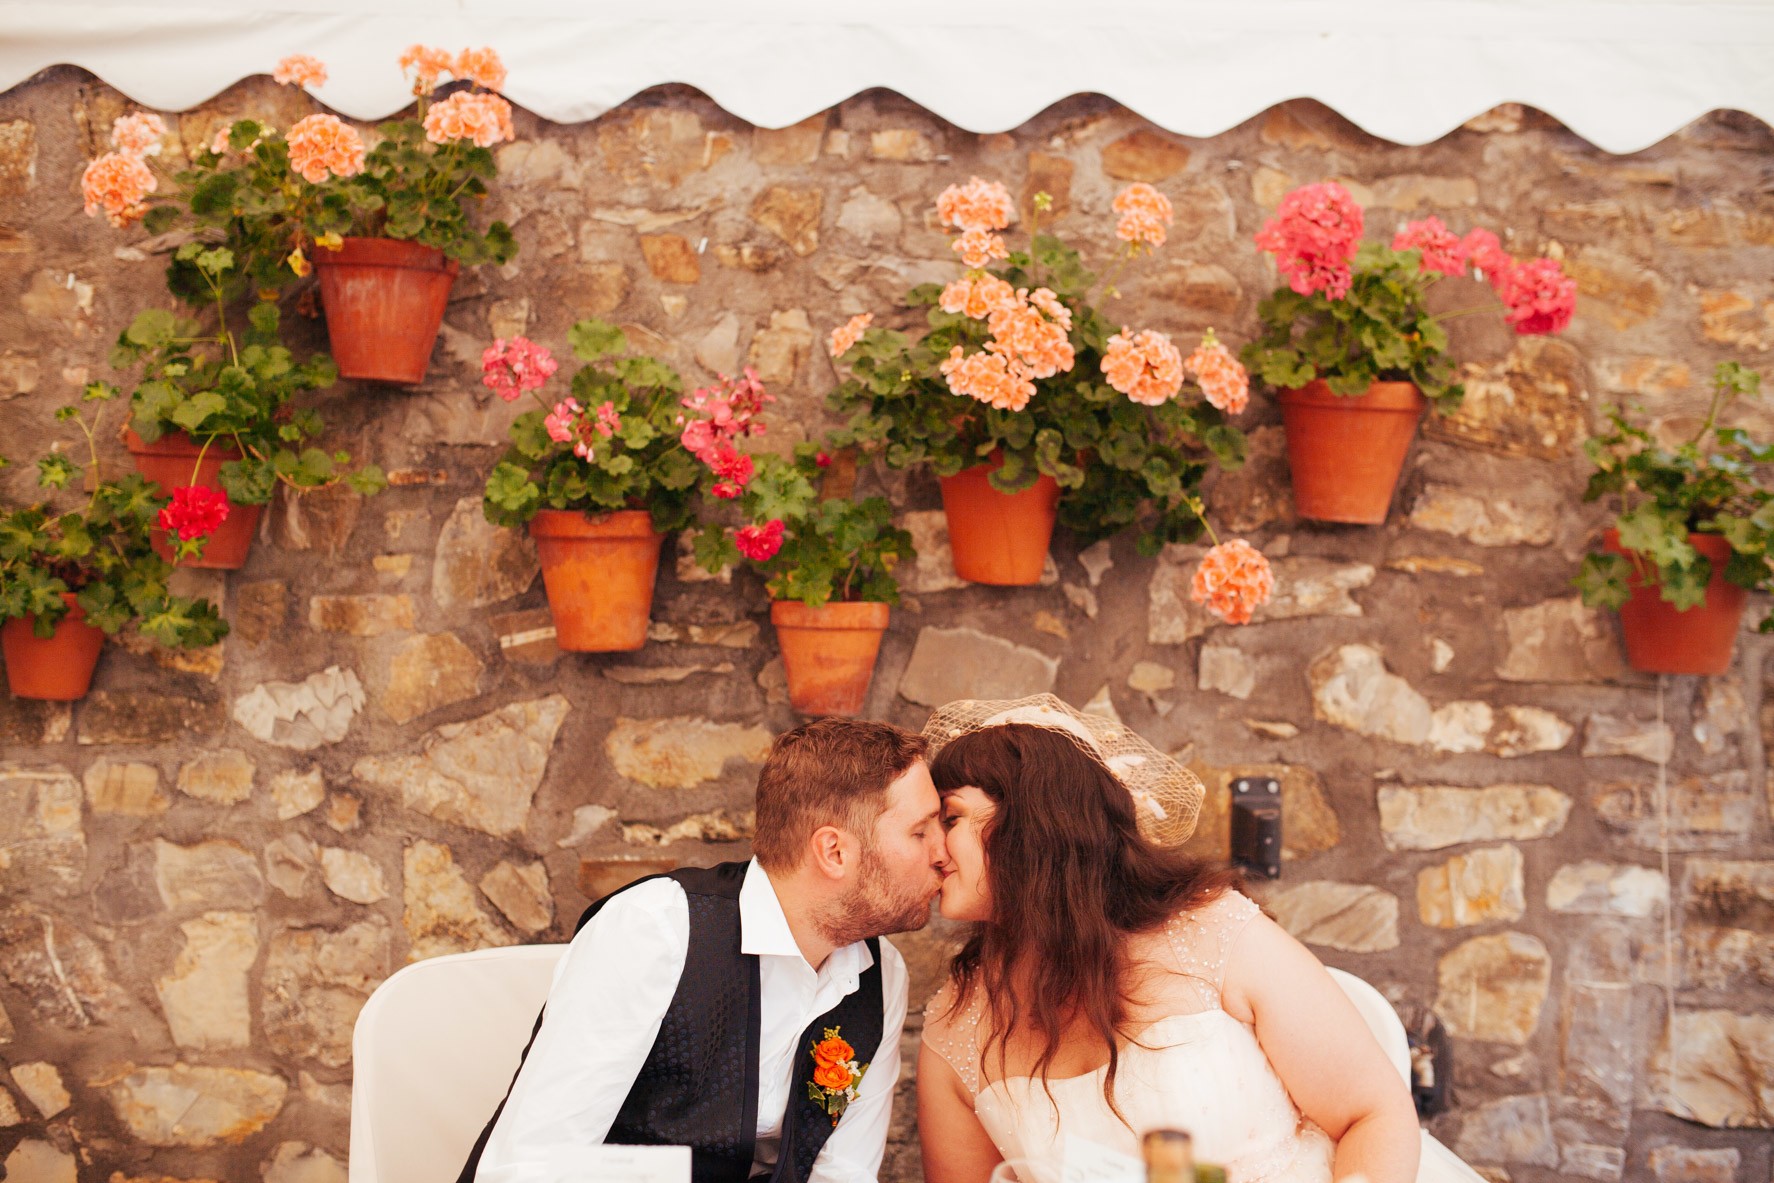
(688, 1007)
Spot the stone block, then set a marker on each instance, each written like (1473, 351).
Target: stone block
(1473, 888)
(361, 616)
(779, 351)
(1713, 1067)
(57, 971)
(671, 258)
(661, 145)
(314, 519)
(18, 156)
(296, 793)
(352, 875)
(1351, 688)
(316, 980)
(1493, 987)
(792, 214)
(680, 753)
(599, 877)
(478, 563)
(797, 143)
(222, 777)
(1704, 812)
(1144, 156)
(29, 722)
(427, 673)
(302, 715)
(1603, 889)
(204, 997)
(1485, 521)
(1227, 669)
(1304, 586)
(42, 1086)
(1430, 817)
(217, 874)
(521, 893)
(1352, 917)
(1682, 1164)
(1560, 641)
(186, 1105)
(260, 609)
(1531, 404)
(441, 913)
(482, 773)
(42, 837)
(146, 717)
(1607, 735)
(1516, 1130)
(902, 144)
(952, 663)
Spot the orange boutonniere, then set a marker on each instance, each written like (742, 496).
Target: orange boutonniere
(836, 1074)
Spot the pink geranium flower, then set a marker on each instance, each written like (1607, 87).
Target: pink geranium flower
(1486, 253)
(1145, 215)
(195, 511)
(1313, 235)
(470, 115)
(138, 134)
(511, 368)
(849, 333)
(976, 206)
(759, 543)
(427, 65)
(559, 423)
(1539, 297)
(1441, 249)
(482, 67)
(1223, 379)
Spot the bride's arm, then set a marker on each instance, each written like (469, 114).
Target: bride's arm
(1321, 1048)
(956, 1147)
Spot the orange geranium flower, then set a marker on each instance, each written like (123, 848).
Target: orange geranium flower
(323, 146)
(469, 115)
(1145, 367)
(116, 183)
(989, 376)
(1234, 579)
(138, 134)
(1145, 215)
(833, 1051)
(832, 1076)
(298, 69)
(428, 65)
(481, 66)
(977, 296)
(848, 334)
(1038, 343)
(979, 247)
(1223, 379)
(977, 205)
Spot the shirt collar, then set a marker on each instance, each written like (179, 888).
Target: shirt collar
(764, 930)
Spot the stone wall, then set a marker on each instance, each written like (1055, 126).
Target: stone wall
(211, 861)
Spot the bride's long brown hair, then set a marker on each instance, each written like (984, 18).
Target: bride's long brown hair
(1071, 879)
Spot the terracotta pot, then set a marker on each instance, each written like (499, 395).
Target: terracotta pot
(59, 668)
(1346, 453)
(1662, 639)
(998, 538)
(828, 653)
(599, 574)
(172, 461)
(384, 301)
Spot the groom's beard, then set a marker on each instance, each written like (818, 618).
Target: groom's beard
(873, 908)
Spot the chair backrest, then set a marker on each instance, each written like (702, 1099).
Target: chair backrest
(434, 1050)
(1381, 1019)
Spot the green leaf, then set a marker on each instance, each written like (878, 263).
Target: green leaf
(593, 339)
(152, 329)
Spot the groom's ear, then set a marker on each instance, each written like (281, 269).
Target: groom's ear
(833, 853)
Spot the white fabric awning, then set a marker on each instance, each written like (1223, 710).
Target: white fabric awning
(1622, 73)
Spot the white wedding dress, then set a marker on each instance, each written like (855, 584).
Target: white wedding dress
(1196, 1069)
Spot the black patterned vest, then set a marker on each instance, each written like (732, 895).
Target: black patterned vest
(699, 1084)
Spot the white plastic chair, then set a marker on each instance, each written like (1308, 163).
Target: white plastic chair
(434, 1049)
(1438, 1162)
(436, 1046)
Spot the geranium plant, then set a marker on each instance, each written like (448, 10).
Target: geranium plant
(1710, 483)
(810, 547)
(270, 195)
(101, 553)
(1353, 313)
(1017, 363)
(626, 437)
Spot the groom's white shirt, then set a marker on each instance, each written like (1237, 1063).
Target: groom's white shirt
(610, 993)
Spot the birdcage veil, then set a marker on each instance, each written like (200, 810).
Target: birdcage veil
(1167, 797)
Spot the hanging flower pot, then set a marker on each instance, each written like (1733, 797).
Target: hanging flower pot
(58, 667)
(598, 573)
(384, 301)
(171, 462)
(1663, 639)
(828, 653)
(1345, 454)
(998, 538)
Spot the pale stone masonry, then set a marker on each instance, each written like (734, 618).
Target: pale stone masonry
(208, 864)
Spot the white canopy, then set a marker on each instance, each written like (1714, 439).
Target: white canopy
(1622, 73)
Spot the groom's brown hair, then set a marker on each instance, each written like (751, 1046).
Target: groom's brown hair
(830, 772)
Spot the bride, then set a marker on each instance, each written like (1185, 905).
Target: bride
(1112, 985)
